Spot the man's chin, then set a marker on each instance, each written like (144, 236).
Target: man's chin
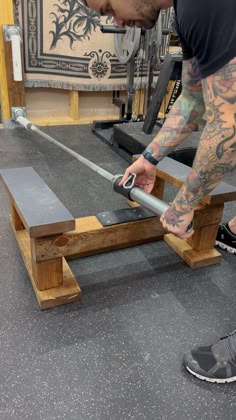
(148, 25)
(143, 25)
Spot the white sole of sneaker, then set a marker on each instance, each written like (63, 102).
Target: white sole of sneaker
(212, 380)
(226, 247)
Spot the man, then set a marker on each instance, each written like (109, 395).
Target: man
(207, 29)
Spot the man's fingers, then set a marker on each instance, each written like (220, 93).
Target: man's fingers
(187, 235)
(125, 177)
(179, 234)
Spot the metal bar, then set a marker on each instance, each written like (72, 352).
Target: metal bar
(29, 126)
(108, 29)
(148, 201)
(134, 193)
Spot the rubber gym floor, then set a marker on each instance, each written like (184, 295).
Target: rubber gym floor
(117, 354)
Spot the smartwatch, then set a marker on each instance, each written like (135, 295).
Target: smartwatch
(148, 156)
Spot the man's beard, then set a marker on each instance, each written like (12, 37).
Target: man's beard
(149, 14)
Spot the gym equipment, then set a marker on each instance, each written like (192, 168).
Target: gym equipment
(126, 41)
(153, 52)
(48, 235)
(133, 138)
(153, 42)
(129, 190)
(127, 44)
(124, 137)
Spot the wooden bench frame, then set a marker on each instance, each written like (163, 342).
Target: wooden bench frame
(45, 247)
(197, 251)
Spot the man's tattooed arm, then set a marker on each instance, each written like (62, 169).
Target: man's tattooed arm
(184, 114)
(216, 154)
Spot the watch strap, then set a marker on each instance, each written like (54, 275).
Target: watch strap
(148, 156)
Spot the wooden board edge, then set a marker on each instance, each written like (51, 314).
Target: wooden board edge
(201, 259)
(67, 293)
(178, 245)
(195, 259)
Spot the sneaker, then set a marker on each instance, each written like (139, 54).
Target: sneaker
(215, 363)
(226, 239)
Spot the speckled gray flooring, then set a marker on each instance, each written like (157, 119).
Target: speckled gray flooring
(117, 355)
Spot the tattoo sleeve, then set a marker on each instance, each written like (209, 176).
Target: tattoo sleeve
(216, 153)
(184, 114)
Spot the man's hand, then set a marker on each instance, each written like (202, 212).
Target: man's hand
(177, 222)
(146, 174)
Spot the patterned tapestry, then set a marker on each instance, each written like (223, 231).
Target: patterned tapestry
(64, 47)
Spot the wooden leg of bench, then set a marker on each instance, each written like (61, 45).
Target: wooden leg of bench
(67, 289)
(198, 251)
(204, 238)
(48, 274)
(195, 259)
(158, 189)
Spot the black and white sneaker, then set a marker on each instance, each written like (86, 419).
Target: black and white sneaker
(226, 239)
(215, 363)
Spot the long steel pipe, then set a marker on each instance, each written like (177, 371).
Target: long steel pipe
(31, 127)
(134, 193)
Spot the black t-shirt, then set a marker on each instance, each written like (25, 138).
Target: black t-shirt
(207, 30)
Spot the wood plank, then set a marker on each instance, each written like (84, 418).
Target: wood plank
(221, 194)
(173, 172)
(204, 238)
(15, 218)
(180, 246)
(74, 105)
(47, 274)
(176, 173)
(50, 106)
(67, 293)
(6, 18)
(195, 259)
(205, 215)
(138, 102)
(4, 97)
(41, 212)
(91, 238)
(12, 92)
(205, 222)
(200, 259)
(7, 12)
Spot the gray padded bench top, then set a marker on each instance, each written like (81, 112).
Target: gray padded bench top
(41, 212)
